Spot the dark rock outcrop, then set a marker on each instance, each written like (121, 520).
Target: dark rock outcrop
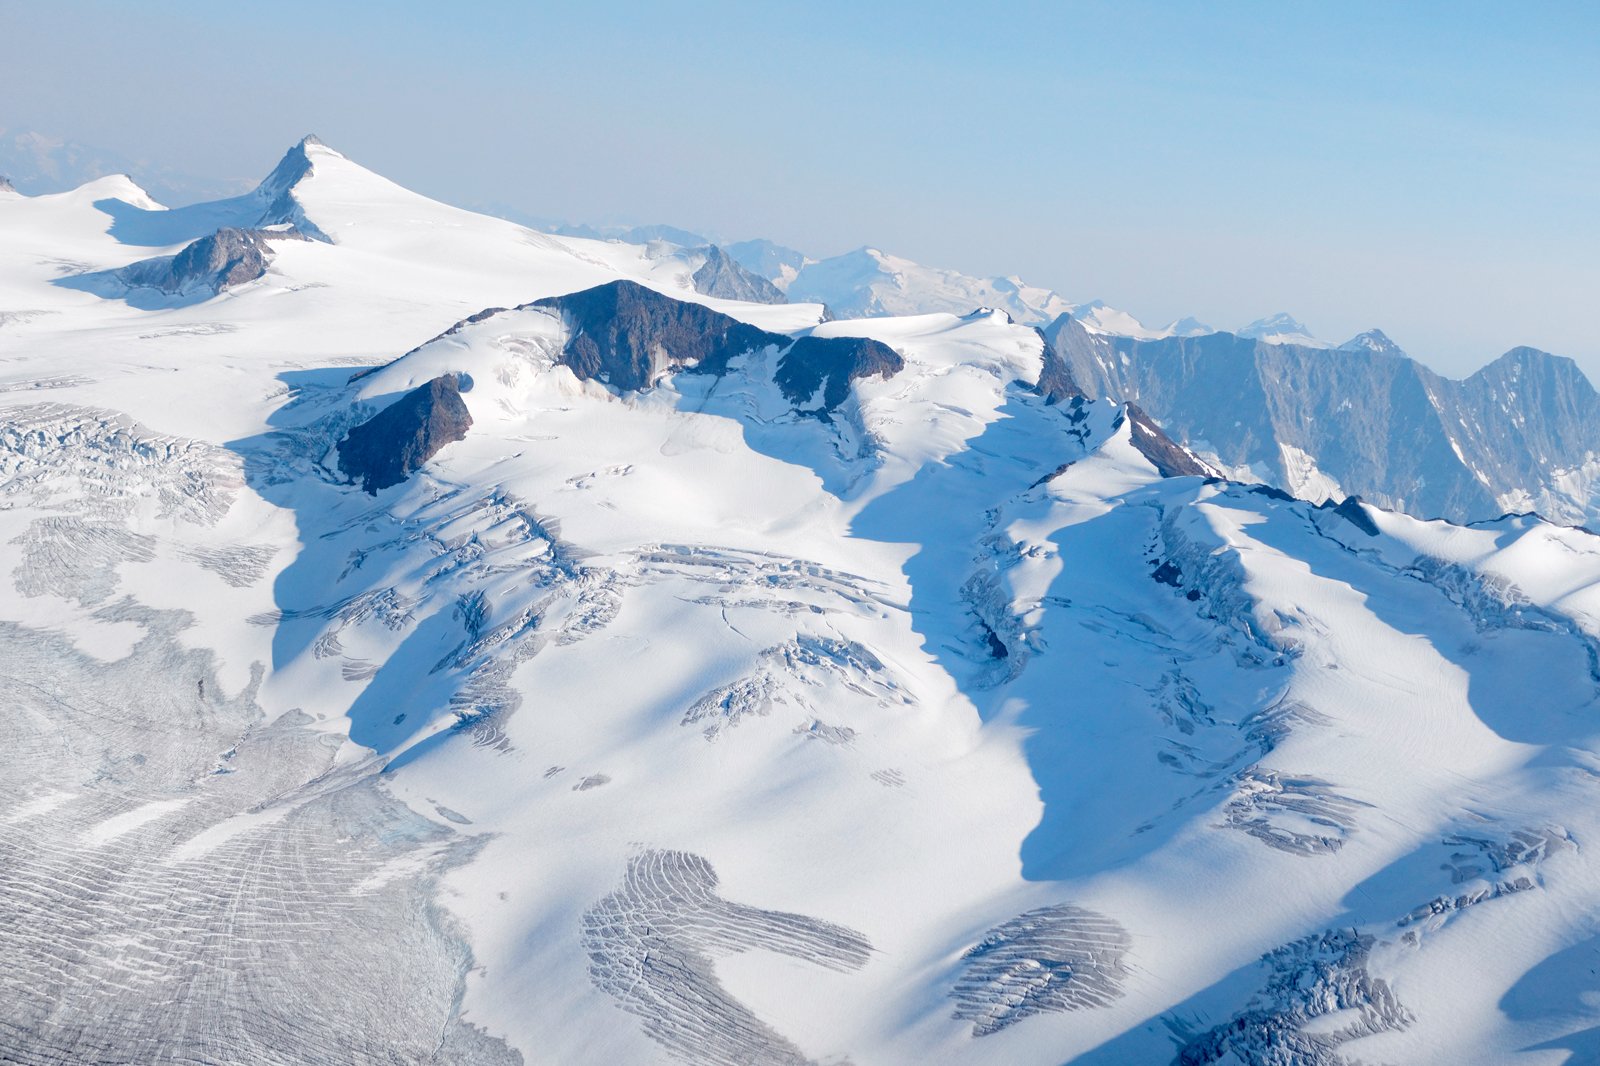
(721, 276)
(226, 258)
(1055, 378)
(831, 364)
(627, 335)
(391, 445)
(1164, 454)
(1350, 510)
(5, 184)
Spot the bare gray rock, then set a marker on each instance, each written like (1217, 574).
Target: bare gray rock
(627, 335)
(1164, 454)
(822, 368)
(722, 276)
(1381, 424)
(394, 443)
(214, 264)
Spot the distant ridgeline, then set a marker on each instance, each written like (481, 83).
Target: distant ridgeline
(1521, 434)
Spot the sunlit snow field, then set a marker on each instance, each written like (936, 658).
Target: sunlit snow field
(682, 726)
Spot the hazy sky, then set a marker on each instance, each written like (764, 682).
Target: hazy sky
(1432, 169)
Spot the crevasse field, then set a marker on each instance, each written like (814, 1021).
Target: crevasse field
(687, 724)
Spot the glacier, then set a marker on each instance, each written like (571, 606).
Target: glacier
(916, 703)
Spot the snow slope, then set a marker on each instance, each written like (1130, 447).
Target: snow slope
(1098, 318)
(680, 726)
(1281, 328)
(868, 282)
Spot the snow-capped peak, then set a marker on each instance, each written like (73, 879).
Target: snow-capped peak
(1096, 317)
(1373, 340)
(1188, 326)
(869, 282)
(1281, 328)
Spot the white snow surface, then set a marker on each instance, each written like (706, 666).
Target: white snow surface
(1098, 318)
(1281, 328)
(869, 282)
(1002, 748)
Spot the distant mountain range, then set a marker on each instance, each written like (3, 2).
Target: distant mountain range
(1268, 401)
(36, 163)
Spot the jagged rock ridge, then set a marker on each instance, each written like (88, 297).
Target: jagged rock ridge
(628, 335)
(831, 364)
(276, 191)
(722, 276)
(1164, 454)
(226, 258)
(1363, 419)
(394, 443)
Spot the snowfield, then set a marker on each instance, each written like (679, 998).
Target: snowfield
(688, 724)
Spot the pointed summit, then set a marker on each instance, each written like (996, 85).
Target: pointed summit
(1281, 328)
(1373, 340)
(1188, 326)
(1096, 317)
(276, 191)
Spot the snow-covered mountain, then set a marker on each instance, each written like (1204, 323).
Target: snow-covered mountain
(868, 283)
(1096, 317)
(37, 163)
(1281, 328)
(461, 644)
(776, 263)
(1373, 340)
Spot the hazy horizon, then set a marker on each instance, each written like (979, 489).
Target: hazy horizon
(1425, 171)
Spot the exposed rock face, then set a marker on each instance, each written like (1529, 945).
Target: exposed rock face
(5, 184)
(227, 258)
(627, 335)
(388, 447)
(276, 192)
(1364, 419)
(1167, 457)
(1351, 510)
(831, 364)
(1055, 379)
(722, 277)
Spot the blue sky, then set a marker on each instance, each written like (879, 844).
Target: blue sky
(1426, 168)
